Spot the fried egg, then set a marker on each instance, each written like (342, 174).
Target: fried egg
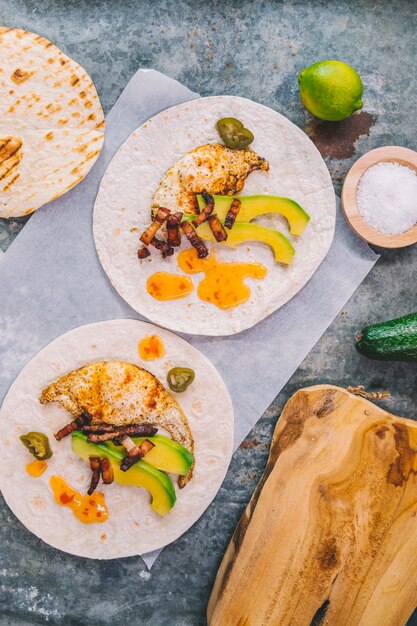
(212, 168)
(121, 393)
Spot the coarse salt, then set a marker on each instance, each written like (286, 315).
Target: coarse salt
(387, 197)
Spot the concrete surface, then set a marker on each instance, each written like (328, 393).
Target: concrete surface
(254, 49)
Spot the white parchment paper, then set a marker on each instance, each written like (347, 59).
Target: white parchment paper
(51, 281)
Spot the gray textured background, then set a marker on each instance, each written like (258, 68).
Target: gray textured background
(253, 49)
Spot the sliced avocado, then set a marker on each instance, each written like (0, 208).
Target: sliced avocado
(252, 206)
(142, 474)
(242, 232)
(167, 455)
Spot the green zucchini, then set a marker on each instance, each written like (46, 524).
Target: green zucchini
(394, 340)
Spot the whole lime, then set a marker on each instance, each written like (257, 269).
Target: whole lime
(331, 90)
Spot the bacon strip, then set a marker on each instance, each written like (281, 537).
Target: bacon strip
(106, 471)
(194, 239)
(208, 210)
(143, 253)
(98, 428)
(131, 448)
(76, 424)
(160, 217)
(173, 229)
(163, 247)
(217, 228)
(136, 453)
(129, 461)
(134, 430)
(95, 468)
(146, 446)
(232, 213)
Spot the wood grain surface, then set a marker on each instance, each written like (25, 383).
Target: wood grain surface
(388, 154)
(330, 534)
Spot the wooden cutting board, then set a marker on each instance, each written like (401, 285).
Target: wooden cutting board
(330, 534)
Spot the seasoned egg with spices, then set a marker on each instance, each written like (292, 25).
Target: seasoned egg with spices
(212, 168)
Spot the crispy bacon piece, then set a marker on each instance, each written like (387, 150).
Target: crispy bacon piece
(134, 430)
(208, 210)
(232, 213)
(136, 453)
(217, 228)
(129, 461)
(173, 229)
(146, 446)
(143, 252)
(94, 438)
(131, 448)
(160, 217)
(163, 247)
(98, 428)
(76, 424)
(194, 239)
(106, 470)
(95, 468)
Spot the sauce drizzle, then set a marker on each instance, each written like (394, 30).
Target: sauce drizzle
(36, 468)
(151, 348)
(166, 286)
(87, 509)
(223, 282)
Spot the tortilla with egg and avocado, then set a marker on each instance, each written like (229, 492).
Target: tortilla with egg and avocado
(51, 122)
(182, 144)
(96, 368)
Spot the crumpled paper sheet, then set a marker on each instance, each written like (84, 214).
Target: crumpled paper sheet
(51, 281)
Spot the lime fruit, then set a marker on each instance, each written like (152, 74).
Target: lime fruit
(331, 90)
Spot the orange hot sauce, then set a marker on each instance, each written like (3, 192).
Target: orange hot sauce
(151, 348)
(87, 509)
(36, 468)
(223, 282)
(166, 286)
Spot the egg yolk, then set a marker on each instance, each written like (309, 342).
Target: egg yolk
(87, 509)
(223, 284)
(151, 348)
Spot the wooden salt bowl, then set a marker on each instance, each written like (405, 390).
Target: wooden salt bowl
(391, 154)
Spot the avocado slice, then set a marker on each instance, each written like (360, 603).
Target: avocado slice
(243, 232)
(167, 455)
(252, 206)
(142, 474)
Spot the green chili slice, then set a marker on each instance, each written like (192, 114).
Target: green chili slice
(37, 444)
(179, 378)
(233, 133)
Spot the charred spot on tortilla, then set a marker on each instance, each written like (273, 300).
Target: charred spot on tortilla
(123, 395)
(20, 75)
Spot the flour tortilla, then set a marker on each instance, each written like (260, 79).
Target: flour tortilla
(122, 212)
(51, 122)
(132, 527)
